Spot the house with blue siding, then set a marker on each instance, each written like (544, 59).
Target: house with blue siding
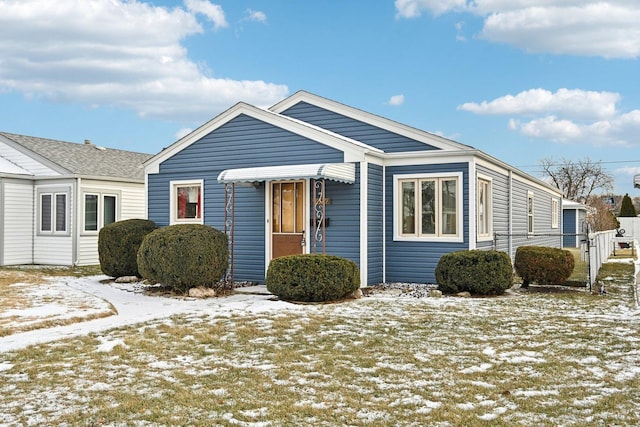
(312, 175)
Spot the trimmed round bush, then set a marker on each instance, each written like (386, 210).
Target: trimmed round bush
(184, 256)
(542, 265)
(312, 277)
(118, 245)
(476, 271)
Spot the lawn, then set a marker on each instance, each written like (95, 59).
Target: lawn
(542, 356)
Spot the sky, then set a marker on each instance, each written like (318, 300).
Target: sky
(521, 80)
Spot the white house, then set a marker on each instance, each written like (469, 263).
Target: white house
(55, 196)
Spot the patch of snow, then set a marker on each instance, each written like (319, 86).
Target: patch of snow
(483, 367)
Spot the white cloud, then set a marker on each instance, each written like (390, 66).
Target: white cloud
(396, 100)
(566, 116)
(255, 15)
(570, 102)
(212, 11)
(606, 28)
(119, 53)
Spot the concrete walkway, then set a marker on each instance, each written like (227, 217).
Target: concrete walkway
(133, 306)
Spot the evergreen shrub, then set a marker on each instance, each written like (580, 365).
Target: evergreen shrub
(184, 256)
(312, 277)
(118, 245)
(478, 272)
(543, 265)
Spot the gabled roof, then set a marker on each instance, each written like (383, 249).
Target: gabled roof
(349, 146)
(369, 118)
(81, 159)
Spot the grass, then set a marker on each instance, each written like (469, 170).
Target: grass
(533, 357)
(22, 293)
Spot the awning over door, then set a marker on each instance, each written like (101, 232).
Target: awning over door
(341, 172)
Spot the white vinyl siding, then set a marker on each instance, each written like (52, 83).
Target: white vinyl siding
(130, 203)
(18, 222)
(54, 247)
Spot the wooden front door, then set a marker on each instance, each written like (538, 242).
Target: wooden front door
(287, 218)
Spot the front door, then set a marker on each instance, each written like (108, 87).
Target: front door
(287, 218)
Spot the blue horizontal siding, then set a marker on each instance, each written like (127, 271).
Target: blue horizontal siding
(415, 262)
(382, 139)
(375, 224)
(242, 142)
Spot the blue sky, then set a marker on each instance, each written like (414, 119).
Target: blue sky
(520, 80)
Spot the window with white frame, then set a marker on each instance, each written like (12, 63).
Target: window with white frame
(555, 213)
(484, 208)
(53, 212)
(428, 206)
(530, 216)
(186, 201)
(100, 209)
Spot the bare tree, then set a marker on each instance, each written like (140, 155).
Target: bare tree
(577, 180)
(599, 217)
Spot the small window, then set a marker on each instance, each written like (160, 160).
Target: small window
(555, 213)
(186, 202)
(53, 213)
(428, 207)
(484, 208)
(530, 218)
(99, 210)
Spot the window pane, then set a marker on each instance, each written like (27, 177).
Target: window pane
(428, 189)
(109, 210)
(483, 208)
(45, 212)
(449, 223)
(61, 212)
(91, 212)
(188, 202)
(275, 214)
(299, 207)
(408, 207)
(288, 200)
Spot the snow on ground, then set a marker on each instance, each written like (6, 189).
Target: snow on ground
(130, 302)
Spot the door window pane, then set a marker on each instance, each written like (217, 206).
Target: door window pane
(299, 207)
(288, 207)
(275, 209)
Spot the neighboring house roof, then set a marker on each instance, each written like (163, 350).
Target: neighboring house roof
(81, 159)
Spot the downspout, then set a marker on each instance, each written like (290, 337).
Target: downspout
(384, 224)
(76, 236)
(364, 224)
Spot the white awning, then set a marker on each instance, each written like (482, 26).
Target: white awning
(636, 181)
(341, 172)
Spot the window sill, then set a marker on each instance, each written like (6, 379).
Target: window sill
(454, 239)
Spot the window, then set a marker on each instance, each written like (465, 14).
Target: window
(530, 212)
(428, 206)
(53, 213)
(484, 208)
(99, 210)
(186, 201)
(555, 213)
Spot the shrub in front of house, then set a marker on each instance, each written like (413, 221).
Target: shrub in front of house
(475, 271)
(184, 256)
(543, 265)
(118, 245)
(312, 277)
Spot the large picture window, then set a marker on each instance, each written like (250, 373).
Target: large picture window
(99, 210)
(428, 207)
(186, 201)
(484, 208)
(53, 213)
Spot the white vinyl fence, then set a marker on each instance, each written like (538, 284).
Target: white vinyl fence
(601, 245)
